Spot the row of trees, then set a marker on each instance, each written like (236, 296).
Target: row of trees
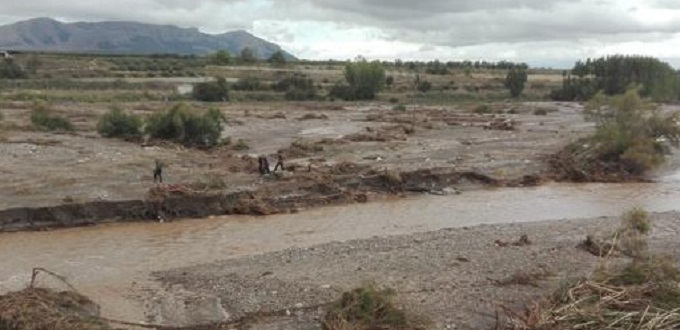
(614, 74)
(246, 56)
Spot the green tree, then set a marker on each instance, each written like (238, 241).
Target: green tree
(221, 57)
(247, 56)
(119, 124)
(277, 59)
(424, 86)
(365, 78)
(212, 91)
(11, 70)
(184, 125)
(515, 80)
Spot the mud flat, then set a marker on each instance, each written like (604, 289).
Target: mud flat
(456, 277)
(287, 196)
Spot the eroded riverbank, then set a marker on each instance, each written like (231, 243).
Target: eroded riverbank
(112, 263)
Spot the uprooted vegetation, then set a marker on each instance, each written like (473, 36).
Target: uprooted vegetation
(45, 309)
(632, 137)
(368, 308)
(640, 293)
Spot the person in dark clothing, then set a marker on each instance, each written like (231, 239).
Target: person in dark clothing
(158, 172)
(260, 165)
(265, 163)
(279, 163)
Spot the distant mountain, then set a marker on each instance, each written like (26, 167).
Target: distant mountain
(46, 34)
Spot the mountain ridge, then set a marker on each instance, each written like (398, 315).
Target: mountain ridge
(126, 37)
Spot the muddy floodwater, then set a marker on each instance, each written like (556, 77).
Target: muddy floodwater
(112, 263)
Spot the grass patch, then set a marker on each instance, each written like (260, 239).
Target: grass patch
(366, 309)
(43, 118)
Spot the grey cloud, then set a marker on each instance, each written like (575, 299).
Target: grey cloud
(470, 22)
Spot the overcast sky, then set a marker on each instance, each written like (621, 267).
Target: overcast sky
(540, 32)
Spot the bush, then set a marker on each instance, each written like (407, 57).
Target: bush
(183, 125)
(277, 59)
(394, 100)
(515, 80)
(365, 79)
(247, 84)
(43, 119)
(424, 86)
(297, 88)
(341, 91)
(631, 137)
(118, 124)
(212, 91)
(2, 116)
(399, 107)
(11, 70)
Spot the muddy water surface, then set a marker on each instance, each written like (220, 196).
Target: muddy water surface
(111, 263)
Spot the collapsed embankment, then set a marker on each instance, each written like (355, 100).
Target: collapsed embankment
(282, 196)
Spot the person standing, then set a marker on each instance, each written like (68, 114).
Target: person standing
(158, 172)
(279, 163)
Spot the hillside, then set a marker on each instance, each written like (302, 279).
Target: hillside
(45, 34)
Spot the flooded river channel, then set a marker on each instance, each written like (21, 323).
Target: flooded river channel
(111, 263)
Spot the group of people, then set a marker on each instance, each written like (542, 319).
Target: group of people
(263, 167)
(263, 164)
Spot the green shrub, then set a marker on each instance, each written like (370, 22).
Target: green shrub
(2, 116)
(43, 119)
(424, 86)
(119, 124)
(342, 91)
(394, 100)
(631, 137)
(515, 80)
(11, 70)
(212, 91)
(184, 125)
(399, 107)
(367, 308)
(365, 79)
(247, 84)
(297, 88)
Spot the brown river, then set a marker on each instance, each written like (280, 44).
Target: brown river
(111, 263)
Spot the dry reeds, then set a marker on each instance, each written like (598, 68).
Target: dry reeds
(642, 293)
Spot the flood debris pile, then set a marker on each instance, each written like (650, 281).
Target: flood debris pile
(368, 308)
(45, 309)
(642, 292)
